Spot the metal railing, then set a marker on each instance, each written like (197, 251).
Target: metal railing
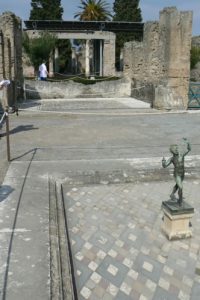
(5, 120)
(194, 95)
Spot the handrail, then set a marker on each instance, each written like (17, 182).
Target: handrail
(5, 114)
(5, 118)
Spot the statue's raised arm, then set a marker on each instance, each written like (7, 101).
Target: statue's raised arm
(188, 147)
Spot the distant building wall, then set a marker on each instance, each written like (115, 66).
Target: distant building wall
(11, 54)
(161, 62)
(108, 51)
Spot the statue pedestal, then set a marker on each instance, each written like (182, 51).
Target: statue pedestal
(176, 220)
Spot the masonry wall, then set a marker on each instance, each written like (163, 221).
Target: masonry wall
(162, 61)
(11, 55)
(37, 89)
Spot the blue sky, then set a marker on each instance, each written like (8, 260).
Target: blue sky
(150, 9)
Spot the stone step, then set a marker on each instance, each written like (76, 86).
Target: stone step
(86, 104)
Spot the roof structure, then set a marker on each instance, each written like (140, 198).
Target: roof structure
(134, 27)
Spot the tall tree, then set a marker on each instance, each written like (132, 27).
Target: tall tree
(52, 10)
(39, 49)
(93, 10)
(127, 11)
(46, 10)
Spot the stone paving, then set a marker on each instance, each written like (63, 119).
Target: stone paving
(119, 251)
(118, 248)
(85, 104)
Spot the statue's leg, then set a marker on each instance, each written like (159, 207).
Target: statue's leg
(175, 188)
(180, 190)
(180, 198)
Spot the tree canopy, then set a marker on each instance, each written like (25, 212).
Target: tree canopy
(50, 10)
(93, 10)
(39, 49)
(127, 11)
(46, 10)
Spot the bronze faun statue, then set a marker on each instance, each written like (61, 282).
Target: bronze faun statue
(178, 161)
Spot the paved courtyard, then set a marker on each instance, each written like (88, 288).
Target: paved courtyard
(109, 161)
(119, 250)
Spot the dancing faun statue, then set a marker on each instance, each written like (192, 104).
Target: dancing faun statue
(177, 160)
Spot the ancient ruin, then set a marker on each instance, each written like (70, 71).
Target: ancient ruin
(158, 67)
(11, 55)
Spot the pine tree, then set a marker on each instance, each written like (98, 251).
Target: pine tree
(52, 10)
(127, 11)
(46, 10)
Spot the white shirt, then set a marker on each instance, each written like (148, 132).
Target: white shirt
(43, 70)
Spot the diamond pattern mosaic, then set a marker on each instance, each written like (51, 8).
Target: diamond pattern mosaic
(119, 251)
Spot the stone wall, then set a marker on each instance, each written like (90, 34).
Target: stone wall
(162, 60)
(36, 89)
(11, 55)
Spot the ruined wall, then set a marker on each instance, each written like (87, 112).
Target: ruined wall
(37, 89)
(11, 54)
(162, 60)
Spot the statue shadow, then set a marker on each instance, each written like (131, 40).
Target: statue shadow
(20, 128)
(5, 191)
(29, 152)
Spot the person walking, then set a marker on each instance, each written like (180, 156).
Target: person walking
(43, 71)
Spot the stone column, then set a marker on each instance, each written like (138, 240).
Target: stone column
(1, 57)
(73, 60)
(175, 35)
(101, 58)
(51, 65)
(56, 60)
(109, 58)
(87, 58)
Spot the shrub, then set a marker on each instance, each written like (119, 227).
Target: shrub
(194, 56)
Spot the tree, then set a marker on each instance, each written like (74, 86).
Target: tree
(52, 10)
(46, 10)
(194, 56)
(39, 49)
(127, 11)
(93, 10)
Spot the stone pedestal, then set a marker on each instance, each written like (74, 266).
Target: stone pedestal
(176, 220)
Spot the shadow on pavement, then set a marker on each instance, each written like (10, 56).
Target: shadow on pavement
(5, 190)
(19, 129)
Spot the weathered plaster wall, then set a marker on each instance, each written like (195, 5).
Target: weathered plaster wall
(11, 54)
(109, 58)
(36, 89)
(162, 60)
